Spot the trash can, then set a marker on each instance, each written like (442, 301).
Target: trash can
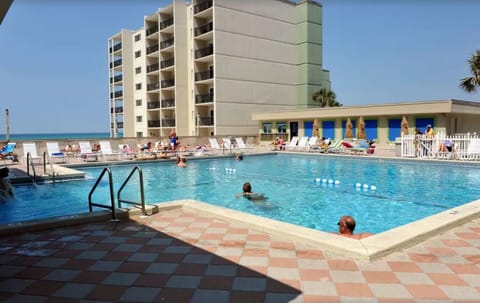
(398, 147)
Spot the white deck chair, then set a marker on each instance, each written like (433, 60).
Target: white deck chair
(55, 154)
(292, 144)
(127, 153)
(214, 144)
(32, 149)
(312, 143)
(227, 144)
(107, 152)
(241, 145)
(302, 144)
(86, 151)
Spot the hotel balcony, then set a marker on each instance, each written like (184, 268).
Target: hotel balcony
(166, 23)
(203, 52)
(205, 121)
(153, 123)
(116, 47)
(153, 86)
(206, 98)
(204, 75)
(166, 43)
(116, 94)
(168, 103)
(151, 30)
(117, 110)
(152, 67)
(152, 49)
(119, 125)
(167, 63)
(202, 6)
(116, 63)
(203, 29)
(168, 83)
(168, 122)
(116, 79)
(153, 105)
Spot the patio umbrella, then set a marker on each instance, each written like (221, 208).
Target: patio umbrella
(349, 129)
(361, 129)
(404, 126)
(316, 128)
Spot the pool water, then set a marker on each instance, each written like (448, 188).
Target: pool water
(405, 191)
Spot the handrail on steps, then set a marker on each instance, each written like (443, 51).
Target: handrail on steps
(142, 193)
(30, 162)
(112, 197)
(45, 156)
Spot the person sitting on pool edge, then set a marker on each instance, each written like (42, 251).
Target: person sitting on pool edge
(6, 190)
(346, 226)
(248, 194)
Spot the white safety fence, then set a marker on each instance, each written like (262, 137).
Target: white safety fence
(465, 146)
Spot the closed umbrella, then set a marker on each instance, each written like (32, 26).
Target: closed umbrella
(361, 129)
(349, 129)
(404, 125)
(316, 128)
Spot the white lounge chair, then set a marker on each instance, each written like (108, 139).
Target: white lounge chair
(312, 143)
(126, 152)
(55, 154)
(292, 144)
(214, 144)
(302, 144)
(86, 151)
(227, 144)
(241, 145)
(107, 152)
(31, 148)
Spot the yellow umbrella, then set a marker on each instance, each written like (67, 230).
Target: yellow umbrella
(404, 125)
(361, 129)
(349, 129)
(316, 128)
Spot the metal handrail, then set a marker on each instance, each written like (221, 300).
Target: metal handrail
(30, 162)
(45, 156)
(112, 197)
(142, 193)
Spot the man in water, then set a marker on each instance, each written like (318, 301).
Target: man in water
(6, 190)
(346, 226)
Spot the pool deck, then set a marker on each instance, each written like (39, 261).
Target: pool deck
(195, 254)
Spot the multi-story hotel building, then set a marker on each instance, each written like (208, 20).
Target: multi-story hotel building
(204, 67)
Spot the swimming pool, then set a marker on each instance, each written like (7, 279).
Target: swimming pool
(405, 191)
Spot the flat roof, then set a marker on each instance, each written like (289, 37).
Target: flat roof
(373, 110)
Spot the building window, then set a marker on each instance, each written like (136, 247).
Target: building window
(139, 118)
(282, 127)
(138, 54)
(267, 128)
(138, 70)
(137, 37)
(138, 86)
(138, 102)
(139, 134)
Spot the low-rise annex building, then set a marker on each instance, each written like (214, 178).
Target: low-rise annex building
(382, 121)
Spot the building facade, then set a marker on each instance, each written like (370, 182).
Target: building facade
(203, 68)
(382, 122)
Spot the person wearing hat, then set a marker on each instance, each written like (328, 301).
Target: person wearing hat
(429, 131)
(6, 190)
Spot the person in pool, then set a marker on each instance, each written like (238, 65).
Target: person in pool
(248, 194)
(346, 226)
(6, 190)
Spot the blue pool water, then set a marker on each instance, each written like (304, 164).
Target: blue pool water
(405, 191)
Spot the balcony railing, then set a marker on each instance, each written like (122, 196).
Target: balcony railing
(166, 23)
(116, 78)
(166, 43)
(151, 30)
(119, 125)
(271, 137)
(116, 94)
(153, 105)
(167, 63)
(202, 6)
(168, 102)
(116, 63)
(202, 52)
(199, 76)
(153, 86)
(152, 67)
(116, 47)
(206, 98)
(204, 29)
(153, 123)
(168, 83)
(117, 110)
(152, 49)
(168, 122)
(202, 121)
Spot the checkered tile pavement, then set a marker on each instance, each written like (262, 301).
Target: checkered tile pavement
(179, 256)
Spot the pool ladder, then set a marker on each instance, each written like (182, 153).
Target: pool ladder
(31, 164)
(107, 170)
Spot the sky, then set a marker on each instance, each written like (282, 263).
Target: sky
(54, 59)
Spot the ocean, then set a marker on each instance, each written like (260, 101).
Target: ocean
(55, 136)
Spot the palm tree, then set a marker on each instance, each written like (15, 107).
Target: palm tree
(469, 84)
(326, 98)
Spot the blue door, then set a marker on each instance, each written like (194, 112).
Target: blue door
(371, 129)
(308, 128)
(421, 123)
(328, 129)
(394, 128)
